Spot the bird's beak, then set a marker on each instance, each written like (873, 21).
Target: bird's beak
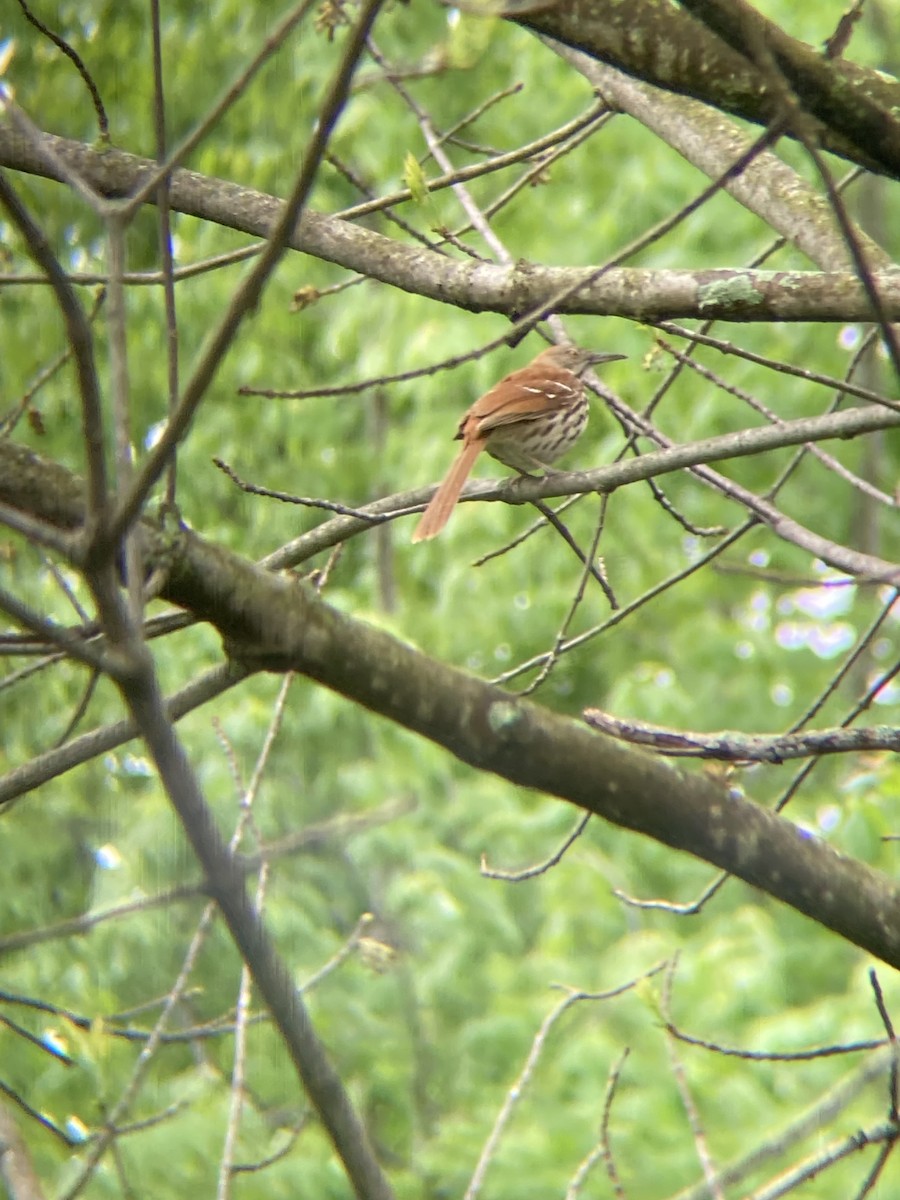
(600, 356)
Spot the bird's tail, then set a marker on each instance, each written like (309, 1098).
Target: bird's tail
(442, 503)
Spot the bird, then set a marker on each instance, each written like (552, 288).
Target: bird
(526, 421)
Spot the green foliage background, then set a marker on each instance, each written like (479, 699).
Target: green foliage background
(431, 1045)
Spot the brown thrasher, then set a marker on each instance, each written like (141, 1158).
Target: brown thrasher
(527, 420)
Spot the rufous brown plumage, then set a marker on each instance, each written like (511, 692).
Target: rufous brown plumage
(526, 421)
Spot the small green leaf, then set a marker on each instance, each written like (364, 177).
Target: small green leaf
(414, 178)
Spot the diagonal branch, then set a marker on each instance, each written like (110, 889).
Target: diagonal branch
(850, 101)
(768, 186)
(699, 53)
(270, 622)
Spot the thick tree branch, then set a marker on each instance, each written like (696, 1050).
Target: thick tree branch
(274, 623)
(702, 56)
(852, 102)
(650, 295)
(271, 622)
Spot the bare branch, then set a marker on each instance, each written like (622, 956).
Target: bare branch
(733, 746)
(725, 294)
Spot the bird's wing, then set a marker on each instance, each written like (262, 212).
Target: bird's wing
(523, 396)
